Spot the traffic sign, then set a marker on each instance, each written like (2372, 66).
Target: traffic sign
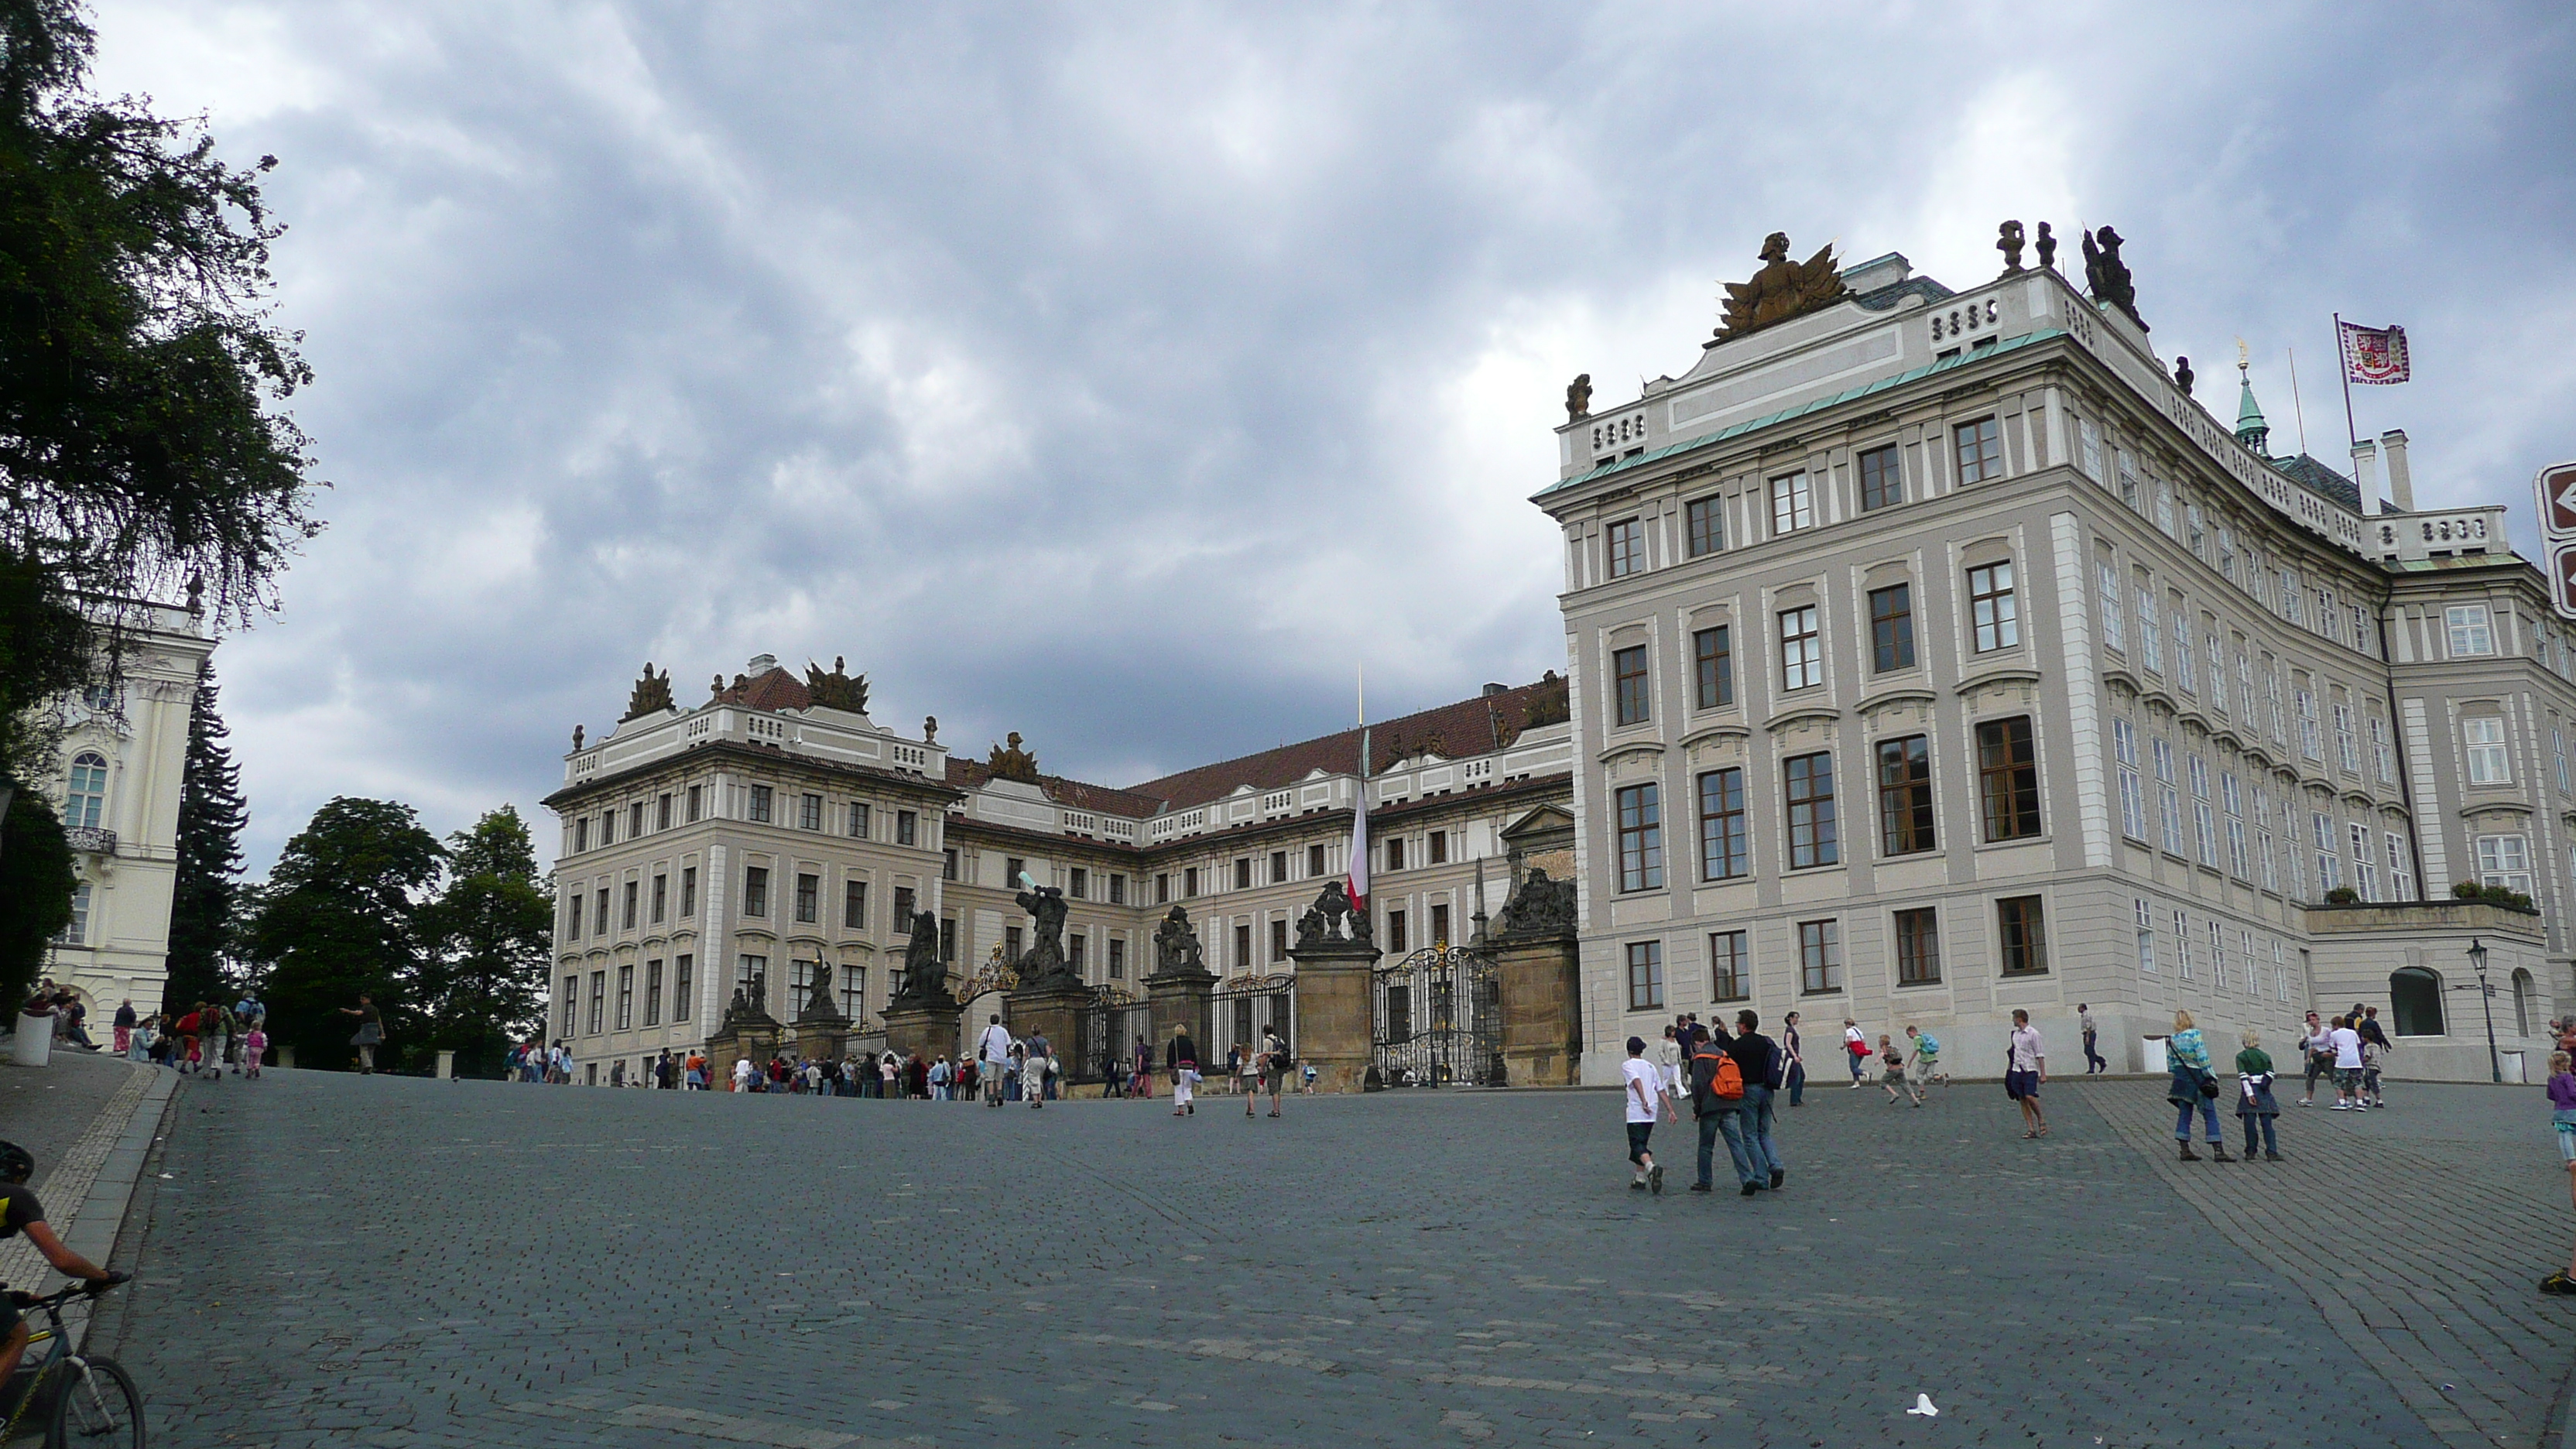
(2557, 485)
(2562, 579)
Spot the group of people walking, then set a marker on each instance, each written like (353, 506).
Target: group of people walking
(203, 1041)
(1732, 1081)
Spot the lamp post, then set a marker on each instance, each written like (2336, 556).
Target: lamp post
(2486, 999)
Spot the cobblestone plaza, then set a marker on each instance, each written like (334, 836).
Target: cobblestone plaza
(411, 1262)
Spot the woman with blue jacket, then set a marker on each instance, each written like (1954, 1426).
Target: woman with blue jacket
(2194, 1087)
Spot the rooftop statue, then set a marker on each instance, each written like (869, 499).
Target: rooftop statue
(576, 737)
(836, 690)
(652, 694)
(930, 729)
(2047, 248)
(1781, 290)
(2107, 276)
(1578, 398)
(1013, 762)
(2008, 241)
(2182, 375)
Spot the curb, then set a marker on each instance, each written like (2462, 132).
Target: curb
(93, 1231)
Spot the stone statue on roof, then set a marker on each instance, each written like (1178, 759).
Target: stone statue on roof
(652, 694)
(2047, 248)
(2008, 239)
(2107, 276)
(836, 690)
(1013, 762)
(1781, 290)
(1578, 398)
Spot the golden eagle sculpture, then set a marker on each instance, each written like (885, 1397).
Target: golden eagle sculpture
(1781, 290)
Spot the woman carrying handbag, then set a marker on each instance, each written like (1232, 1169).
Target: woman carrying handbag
(2194, 1088)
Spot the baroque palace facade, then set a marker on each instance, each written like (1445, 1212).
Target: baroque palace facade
(1936, 654)
(777, 826)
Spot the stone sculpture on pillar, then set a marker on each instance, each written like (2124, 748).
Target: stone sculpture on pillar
(925, 976)
(1043, 965)
(1534, 968)
(1336, 1007)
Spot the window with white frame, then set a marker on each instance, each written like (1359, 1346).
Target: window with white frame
(2365, 864)
(2347, 743)
(2558, 752)
(2384, 759)
(2217, 675)
(85, 802)
(2484, 735)
(2182, 944)
(2264, 854)
(2321, 840)
(2165, 508)
(2133, 800)
(2232, 798)
(2505, 860)
(2151, 653)
(2168, 795)
(2146, 939)
(2291, 597)
(76, 930)
(2088, 448)
(2128, 478)
(2183, 673)
(2108, 574)
(1994, 615)
(1802, 653)
(2253, 970)
(1793, 505)
(2272, 696)
(2217, 956)
(2311, 739)
(2280, 976)
(2290, 842)
(2204, 821)
(2401, 867)
(2470, 633)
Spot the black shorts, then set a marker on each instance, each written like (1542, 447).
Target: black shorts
(10, 1317)
(1638, 1132)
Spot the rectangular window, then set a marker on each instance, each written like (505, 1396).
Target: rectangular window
(2023, 933)
(1713, 652)
(2557, 749)
(1627, 548)
(1641, 838)
(948, 939)
(1904, 795)
(2311, 738)
(2365, 863)
(599, 912)
(683, 982)
(1278, 867)
(2401, 867)
(1891, 628)
(1981, 450)
(809, 812)
(1117, 957)
(1813, 838)
(2183, 674)
(653, 993)
(1645, 975)
(2088, 449)
(607, 828)
(2487, 763)
(2008, 778)
(1730, 971)
(1117, 889)
(1314, 862)
(626, 911)
(571, 999)
(1722, 851)
(854, 823)
(1991, 609)
(662, 812)
(625, 998)
(1395, 852)
(1397, 942)
(2133, 798)
(755, 891)
(906, 826)
(1243, 946)
(695, 794)
(2505, 860)
(2146, 940)
(1707, 519)
(1918, 947)
(809, 890)
(1881, 482)
(1190, 876)
(2467, 625)
(2217, 674)
(688, 891)
(2217, 956)
(2151, 638)
(2322, 844)
(1011, 937)
(854, 905)
(1440, 925)
(2168, 798)
(760, 804)
(1243, 873)
(1162, 888)
(1802, 654)
(1077, 883)
(1792, 506)
(1279, 940)
(1820, 957)
(635, 820)
(581, 835)
(572, 921)
(598, 1002)
(1628, 672)
(1439, 843)
(2108, 580)
(901, 925)
(661, 897)
(2347, 742)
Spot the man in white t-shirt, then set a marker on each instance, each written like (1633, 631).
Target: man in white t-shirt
(1642, 1089)
(993, 1051)
(2346, 1044)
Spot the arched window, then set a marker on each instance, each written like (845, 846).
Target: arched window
(87, 799)
(2415, 996)
(2526, 995)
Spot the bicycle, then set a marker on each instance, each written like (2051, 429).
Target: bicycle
(89, 1400)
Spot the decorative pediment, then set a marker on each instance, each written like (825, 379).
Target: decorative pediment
(1543, 821)
(2007, 687)
(1802, 719)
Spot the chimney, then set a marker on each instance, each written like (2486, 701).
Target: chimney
(2365, 474)
(2401, 484)
(763, 663)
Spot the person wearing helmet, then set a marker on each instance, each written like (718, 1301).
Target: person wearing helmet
(21, 1213)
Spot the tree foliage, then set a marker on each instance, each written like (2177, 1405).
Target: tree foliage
(340, 915)
(36, 881)
(211, 816)
(490, 934)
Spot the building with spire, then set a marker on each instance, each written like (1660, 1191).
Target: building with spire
(1935, 656)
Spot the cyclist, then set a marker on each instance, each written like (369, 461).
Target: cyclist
(21, 1213)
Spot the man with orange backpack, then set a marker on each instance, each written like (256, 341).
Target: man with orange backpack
(1717, 1100)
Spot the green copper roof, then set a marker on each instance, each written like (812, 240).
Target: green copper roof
(1974, 354)
(2249, 415)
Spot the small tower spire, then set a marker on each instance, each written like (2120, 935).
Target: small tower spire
(2251, 430)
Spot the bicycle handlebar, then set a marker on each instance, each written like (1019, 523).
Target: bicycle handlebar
(84, 1287)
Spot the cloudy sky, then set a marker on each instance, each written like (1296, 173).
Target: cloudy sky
(1124, 375)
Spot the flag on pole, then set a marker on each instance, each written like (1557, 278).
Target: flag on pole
(1359, 830)
(2372, 354)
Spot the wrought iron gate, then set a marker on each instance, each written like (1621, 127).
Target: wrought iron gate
(1239, 1010)
(1437, 1020)
(1105, 1035)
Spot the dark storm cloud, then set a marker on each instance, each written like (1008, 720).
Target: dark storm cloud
(1126, 377)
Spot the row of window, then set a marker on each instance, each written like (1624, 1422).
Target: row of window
(2245, 970)
(760, 807)
(2007, 797)
(569, 1001)
(648, 903)
(2021, 942)
(2221, 825)
(1977, 447)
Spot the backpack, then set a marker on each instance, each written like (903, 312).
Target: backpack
(1726, 1079)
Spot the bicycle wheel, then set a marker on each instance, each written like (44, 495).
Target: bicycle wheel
(98, 1408)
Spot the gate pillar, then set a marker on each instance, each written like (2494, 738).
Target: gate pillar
(1178, 991)
(1056, 1012)
(1336, 964)
(1535, 971)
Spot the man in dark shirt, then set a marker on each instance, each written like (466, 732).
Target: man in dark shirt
(1719, 1115)
(21, 1213)
(1759, 1060)
(1179, 1056)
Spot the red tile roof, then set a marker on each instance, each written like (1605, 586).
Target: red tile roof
(1474, 726)
(967, 774)
(774, 690)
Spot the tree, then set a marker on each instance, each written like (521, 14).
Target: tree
(491, 935)
(340, 916)
(36, 883)
(141, 441)
(211, 816)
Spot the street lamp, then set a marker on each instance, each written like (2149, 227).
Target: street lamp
(2486, 999)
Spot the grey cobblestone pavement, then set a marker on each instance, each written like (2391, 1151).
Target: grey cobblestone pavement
(405, 1262)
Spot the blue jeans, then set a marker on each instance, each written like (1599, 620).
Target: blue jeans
(1757, 1122)
(2184, 1105)
(1797, 1084)
(1730, 1121)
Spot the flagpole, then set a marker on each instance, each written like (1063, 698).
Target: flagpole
(2298, 409)
(2343, 366)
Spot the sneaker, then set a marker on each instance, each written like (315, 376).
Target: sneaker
(2361, 1106)
(1778, 1176)
(1655, 1179)
(2559, 1283)
(1638, 1186)
(1701, 1187)
(2340, 1107)
(1751, 1188)
(2270, 1157)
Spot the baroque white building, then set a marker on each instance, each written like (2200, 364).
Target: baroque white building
(117, 786)
(1935, 655)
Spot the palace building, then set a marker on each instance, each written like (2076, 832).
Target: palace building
(1935, 653)
(776, 826)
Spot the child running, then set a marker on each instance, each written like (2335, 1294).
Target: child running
(1644, 1093)
(1892, 1074)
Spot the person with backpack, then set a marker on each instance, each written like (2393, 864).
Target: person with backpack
(1717, 1102)
(1759, 1059)
(184, 1055)
(1643, 1093)
(993, 1049)
(1927, 1059)
(1276, 1063)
